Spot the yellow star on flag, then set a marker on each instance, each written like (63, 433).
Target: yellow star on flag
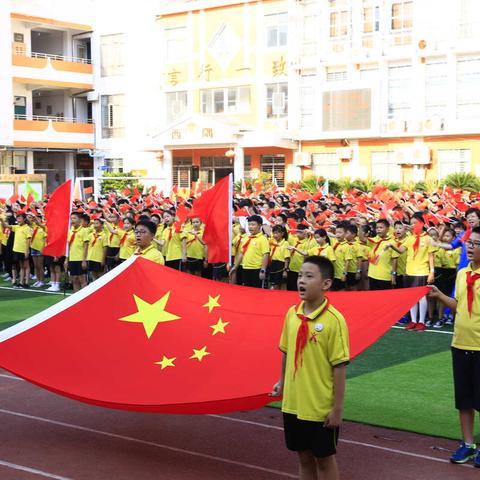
(166, 362)
(199, 354)
(212, 303)
(150, 315)
(219, 327)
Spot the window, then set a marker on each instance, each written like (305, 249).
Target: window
(371, 17)
(176, 43)
(111, 54)
(453, 161)
(247, 166)
(468, 91)
(307, 101)
(326, 165)
(181, 171)
(276, 30)
(275, 165)
(402, 15)
(277, 100)
(469, 18)
(112, 116)
(176, 105)
(385, 166)
(399, 91)
(436, 89)
(114, 165)
(369, 73)
(339, 18)
(225, 100)
(336, 74)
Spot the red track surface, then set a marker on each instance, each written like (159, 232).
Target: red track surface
(46, 436)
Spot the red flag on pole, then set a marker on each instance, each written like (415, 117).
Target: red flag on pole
(214, 208)
(161, 340)
(57, 214)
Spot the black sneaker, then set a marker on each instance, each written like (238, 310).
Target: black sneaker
(25, 285)
(428, 323)
(16, 286)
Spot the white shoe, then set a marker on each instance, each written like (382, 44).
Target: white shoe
(6, 275)
(53, 288)
(7, 279)
(38, 284)
(33, 277)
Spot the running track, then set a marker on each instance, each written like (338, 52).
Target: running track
(50, 437)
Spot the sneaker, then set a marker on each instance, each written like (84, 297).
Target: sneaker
(38, 284)
(53, 288)
(449, 320)
(8, 278)
(6, 275)
(428, 323)
(16, 286)
(410, 326)
(420, 327)
(438, 324)
(403, 320)
(464, 453)
(476, 460)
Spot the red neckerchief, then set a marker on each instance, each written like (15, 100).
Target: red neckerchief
(272, 253)
(320, 250)
(96, 236)
(72, 238)
(192, 240)
(374, 257)
(302, 334)
(247, 244)
(34, 234)
(471, 279)
(124, 237)
(336, 245)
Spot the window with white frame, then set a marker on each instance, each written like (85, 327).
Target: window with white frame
(275, 165)
(402, 15)
(307, 100)
(277, 100)
(399, 91)
(176, 105)
(385, 166)
(225, 100)
(182, 171)
(453, 161)
(436, 89)
(112, 116)
(276, 30)
(369, 73)
(468, 88)
(114, 165)
(336, 74)
(370, 16)
(326, 165)
(310, 33)
(469, 18)
(175, 43)
(111, 54)
(339, 18)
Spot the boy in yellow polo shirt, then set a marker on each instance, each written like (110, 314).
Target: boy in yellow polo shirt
(300, 243)
(315, 348)
(171, 242)
(253, 255)
(39, 236)
(97, 249)
(466, 347)
(144, 234)
(279, 257)
(343, 255)
(77, 252)
(21, 251)
(194, 249)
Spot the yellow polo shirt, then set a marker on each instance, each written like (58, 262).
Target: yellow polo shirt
(325, 251)
(309, 393)
(466, 332)
(195, 248)
(402, 257)
(76, 246)
(448, 258)
(112, 239)
(23, 233)
(296, 259)
(279, 251)
(173, 244)
(39, 236)
(151, 253)
(343, 253)
(417, 262)
(96, 246)
(380, 262)
(257, 248)
(127, 244)
(356, 252)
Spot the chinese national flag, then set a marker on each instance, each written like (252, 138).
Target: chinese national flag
(148, 338)
(57, 214)
(214, 208)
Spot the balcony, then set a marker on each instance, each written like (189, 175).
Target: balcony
(52, 132)
(51, 70)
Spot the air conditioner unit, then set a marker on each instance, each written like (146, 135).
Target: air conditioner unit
(414, 155)
(344, 153)
(302, 159)
(92, 96)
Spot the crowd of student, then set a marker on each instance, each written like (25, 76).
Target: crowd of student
(376, 241)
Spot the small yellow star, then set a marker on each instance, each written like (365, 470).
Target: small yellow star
(212, 303)
(219, 327)
(166, 362)
(199, 354)
(150, 315)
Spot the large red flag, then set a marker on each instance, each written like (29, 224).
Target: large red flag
(57, 214)
(149, 338)
(214, 208)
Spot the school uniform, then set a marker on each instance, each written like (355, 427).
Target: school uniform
(172, 247)
(296, 259)
(418, 268)
(278, 254)
(77, 237)
(253, 248)
(96, 251)
(151, 253)
(343, 254)
(380, 260)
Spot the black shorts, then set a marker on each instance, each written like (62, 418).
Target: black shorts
(94, 266)
(75, 268)
(275, 272)
(445, 280)
(50, 262)
(302, 435)
(337, 285)
(466, 379)
(175, 264)
(375, 284)
(194, 265)
(351, 279)
(400, 281)
(251, 277)
(18, 257)
(415, 281)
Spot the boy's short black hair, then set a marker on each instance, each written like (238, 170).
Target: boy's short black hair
(255, 218)
(384, 221)
(302, 226)
(86, 217)
(343, 225)
(473, 210)
(351, 228)
(324, 265)
(283, 217)
(398, 222)
(419, 216)
(280, 229)
(152, 228)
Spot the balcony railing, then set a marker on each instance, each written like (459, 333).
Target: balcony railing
(53, 118)
(61, 58)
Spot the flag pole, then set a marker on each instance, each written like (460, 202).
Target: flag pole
(230, 217)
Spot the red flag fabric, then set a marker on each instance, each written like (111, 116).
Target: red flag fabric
(57, 215)
(88, 190)
(214, 208)
(164, 341)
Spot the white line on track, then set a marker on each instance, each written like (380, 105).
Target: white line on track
(5, 375)
(146, 442)
(427, 331)
(34, 471)
(34, 291)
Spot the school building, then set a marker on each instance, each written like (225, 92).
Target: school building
(180, 90)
